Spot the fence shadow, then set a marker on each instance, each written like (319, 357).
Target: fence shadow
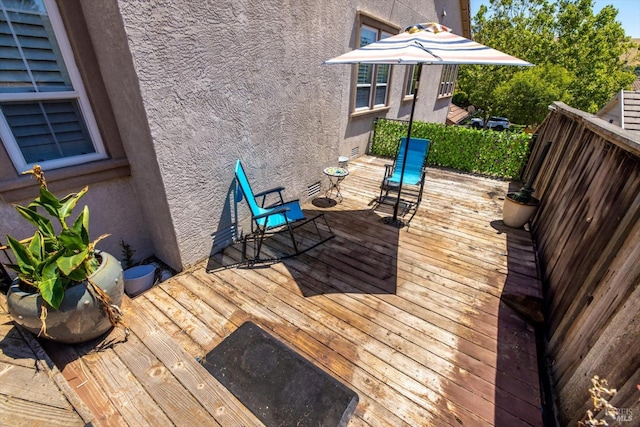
(520, 319)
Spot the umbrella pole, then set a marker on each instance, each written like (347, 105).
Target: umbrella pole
(395, 221)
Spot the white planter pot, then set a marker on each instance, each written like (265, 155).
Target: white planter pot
(138, 279)
(516, 214)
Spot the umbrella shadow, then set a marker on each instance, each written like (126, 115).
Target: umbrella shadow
(407, 208)
(360, 258)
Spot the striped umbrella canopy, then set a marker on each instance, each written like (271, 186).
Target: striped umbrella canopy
(429, 44)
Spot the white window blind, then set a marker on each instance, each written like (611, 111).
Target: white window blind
(373, 80)
(45, 116)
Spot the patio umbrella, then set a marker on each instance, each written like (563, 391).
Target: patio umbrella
(429, 43)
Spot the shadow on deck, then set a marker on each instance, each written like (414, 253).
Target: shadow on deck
(418, 321)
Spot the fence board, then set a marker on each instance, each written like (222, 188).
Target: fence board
(588, 237)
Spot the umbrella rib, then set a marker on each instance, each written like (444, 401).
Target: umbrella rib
(421, 46)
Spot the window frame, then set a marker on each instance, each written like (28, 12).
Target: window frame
(410, 82)
(448, 79)
(381, 27)
(78, 95)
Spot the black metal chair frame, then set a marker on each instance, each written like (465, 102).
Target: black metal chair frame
(386, 187)
(260, 232)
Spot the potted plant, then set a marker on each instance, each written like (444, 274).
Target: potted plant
(520, 206)
(137, 278)
(65, 290)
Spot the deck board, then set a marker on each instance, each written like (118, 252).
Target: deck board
(411, 319)
(30, 394)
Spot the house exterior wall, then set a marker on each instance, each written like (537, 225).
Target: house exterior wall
(623, 110)
(122, 85)
(114, 210)
(612, 112)
(230, 80)
(611, 116)
(112, 198)
(193, 86)
(631, 110)
(118, 216)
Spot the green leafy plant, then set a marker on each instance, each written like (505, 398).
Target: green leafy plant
(579, 57)
(50, 262)
(524, 195)
(127, 254)
(495, 154)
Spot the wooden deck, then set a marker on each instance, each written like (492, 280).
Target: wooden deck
(410, 319)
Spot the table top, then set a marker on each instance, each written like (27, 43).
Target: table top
(336, 171)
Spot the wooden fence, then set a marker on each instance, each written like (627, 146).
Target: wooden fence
(588, 240)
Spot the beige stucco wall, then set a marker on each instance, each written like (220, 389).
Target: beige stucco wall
(196, 85)
(113, 202)
(225, 80)
(122, 84)
(354, 131)
(113, 209)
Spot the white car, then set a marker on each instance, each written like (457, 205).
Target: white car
(495, 123)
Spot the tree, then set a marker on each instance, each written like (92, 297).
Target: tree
(555, 36)
(525, 98)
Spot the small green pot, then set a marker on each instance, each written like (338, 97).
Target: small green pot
(81, 317)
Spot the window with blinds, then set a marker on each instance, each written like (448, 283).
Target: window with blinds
(448, 80)
(372, 86)
(411, 81)
(45, 115)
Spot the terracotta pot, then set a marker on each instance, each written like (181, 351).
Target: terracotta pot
(81, 317)
(517, 214)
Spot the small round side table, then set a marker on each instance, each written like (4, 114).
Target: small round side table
(335, 175)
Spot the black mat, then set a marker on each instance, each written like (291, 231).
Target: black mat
(277, 384)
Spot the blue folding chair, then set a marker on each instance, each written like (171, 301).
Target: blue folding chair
(415, 171)
(274, 218)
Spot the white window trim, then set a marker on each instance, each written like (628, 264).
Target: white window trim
(373, 85)
(408, 82)
(448, 80)
(382, 85)
(79, 94)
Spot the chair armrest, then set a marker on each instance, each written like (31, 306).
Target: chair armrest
(265, 193)
(272, 212)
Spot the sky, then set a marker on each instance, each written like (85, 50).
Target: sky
(628, 13)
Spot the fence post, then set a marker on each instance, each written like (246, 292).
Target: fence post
(372, 136)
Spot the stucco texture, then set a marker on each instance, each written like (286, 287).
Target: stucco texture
(122, 85)
(228, 80)
(113, 209)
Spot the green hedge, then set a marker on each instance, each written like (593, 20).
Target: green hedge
(485, 152)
